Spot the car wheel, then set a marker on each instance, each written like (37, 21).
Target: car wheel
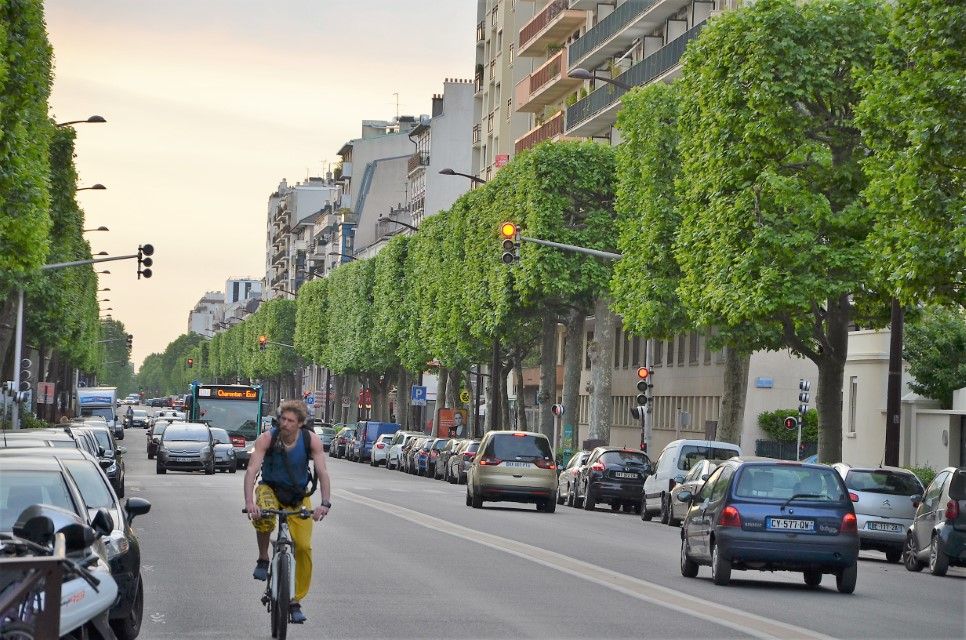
(150, 456)
(233, 468)
(570, 496)
(477, 502)
(720, 568)
(549, 506)
(590, 501)
(560, 498)
(210, 471)
(845, 578)
(664, 509)
(160, 468)
(689, 568)
(129, 627)
(938, 560)
(893, 555)
(637, 509)
(615, 506)
(469, 501)
(813, 578)
(645, 514)
(120, 490)
(910, 554)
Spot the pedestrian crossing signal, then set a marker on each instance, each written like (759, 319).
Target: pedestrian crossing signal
(791, 423)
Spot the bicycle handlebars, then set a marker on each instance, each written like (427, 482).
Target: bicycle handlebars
(301, 513)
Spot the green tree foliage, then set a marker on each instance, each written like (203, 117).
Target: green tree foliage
(349, 318)
(935, 348)
(913, 116)
(388, 298)
(114, 368)
(25, 81)
(773, 424)
(167, 373)
(274, 319)
(772, 229)
(310, 333)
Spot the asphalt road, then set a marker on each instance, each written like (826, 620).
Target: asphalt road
(403, 557)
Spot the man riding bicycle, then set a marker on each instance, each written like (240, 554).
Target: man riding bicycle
(282, 455)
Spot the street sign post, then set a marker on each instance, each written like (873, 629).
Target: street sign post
(418, 396)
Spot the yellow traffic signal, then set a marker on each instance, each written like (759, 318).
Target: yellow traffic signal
(508, 230)
(510, 234)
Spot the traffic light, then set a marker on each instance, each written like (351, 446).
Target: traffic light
(262, 342)
(803, 387)
(25, 365)
(129, 339)
(191, 362)
(145, 262)
(510, 237)
(791, 423)
(643, 385)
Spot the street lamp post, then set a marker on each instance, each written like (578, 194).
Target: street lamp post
(100, 228)
(399, 222)
(344, 255)
(583, 74)
(449, 172)
(92, 120)
(291, 293)
(93, 187)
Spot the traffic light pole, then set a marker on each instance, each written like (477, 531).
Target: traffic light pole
(649, 363)
(574, 248)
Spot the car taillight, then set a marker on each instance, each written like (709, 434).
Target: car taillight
(237, 441)
(849, 524)
(597, 466)
(729, 518)
(854, 497)
(490, 461)
(469, 454)
(952, 510)
(545, 463)
(380, 445)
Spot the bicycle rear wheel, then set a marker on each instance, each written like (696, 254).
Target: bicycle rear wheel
(282, 597)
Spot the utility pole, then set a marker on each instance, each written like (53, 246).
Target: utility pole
(894, 387)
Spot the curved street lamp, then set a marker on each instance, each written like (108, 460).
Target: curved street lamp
(105, 271)
(92, 119)
(94, 187)
(344, 255)
(583, 74)
(104, 289)
(449, 172)
(291, 293)
(399, 222)
(100, 228)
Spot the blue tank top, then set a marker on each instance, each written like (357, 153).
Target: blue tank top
(273, 467)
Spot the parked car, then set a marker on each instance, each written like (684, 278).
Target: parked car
(121, 543)
(567, 480)
(937, 537)
(442, 460)
(460, 462)
(326, 434)
(29, 438)
(771, 515)
(409, 453)
(420, 464)
(186, 447)
(884, 500)
(154, 435)
(513, 466)
(113, 456)
(367, 432)
(435, 446)
(672, 466)
(380, 450)
(693, 482)
(399, 440)
(225, 459)
(86, 440)
(615, 476)
(340, 444)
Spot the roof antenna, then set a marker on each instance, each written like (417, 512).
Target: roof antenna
(397, 106)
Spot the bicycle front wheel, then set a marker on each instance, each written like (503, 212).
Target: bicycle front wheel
(283, 597)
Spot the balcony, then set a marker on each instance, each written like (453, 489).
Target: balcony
(550, 129)
(547, 85)
(617, 32)
(418, 160)
(280, 256)
(584, 5)
(477, 135)
(596, 114)
(549, 27)
(480, 33)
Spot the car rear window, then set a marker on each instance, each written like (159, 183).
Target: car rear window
(957, 487)
(508, 447)
(91, 484)
(440, 444)
(21, 489)
(883, 481)
(781, 482)
(624, 457)
(693, 454)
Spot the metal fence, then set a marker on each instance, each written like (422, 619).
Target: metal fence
(783, 450)
(606, 28)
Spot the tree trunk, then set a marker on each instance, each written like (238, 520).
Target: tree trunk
(472, 381)
(493, 412)
(573, 365)
(453, 389)
(601, 369)
(403, 400)
(442, 387)
(547, 395)
(8, 320)
(731, 420)
(831, 376)
(521, 409)
(505, 369)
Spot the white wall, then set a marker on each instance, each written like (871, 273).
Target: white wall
(452, 135)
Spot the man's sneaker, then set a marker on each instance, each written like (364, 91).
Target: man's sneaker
(261, 570)
(295, 614)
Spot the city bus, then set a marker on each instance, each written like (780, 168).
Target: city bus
(236, 408)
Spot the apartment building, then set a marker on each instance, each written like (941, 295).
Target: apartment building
(207, 313)
(498, 70)
(290, 229)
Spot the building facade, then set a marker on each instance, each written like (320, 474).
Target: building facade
(207, 314)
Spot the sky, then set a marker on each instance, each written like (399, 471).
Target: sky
(209, 105)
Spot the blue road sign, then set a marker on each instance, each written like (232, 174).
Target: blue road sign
(418, 396)
(310, 399)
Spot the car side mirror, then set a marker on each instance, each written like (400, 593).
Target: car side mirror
(102, 522)
(679, 479)
(100, 452)
(136, 507)
(704, 478)
(121, 450)
(685, 496)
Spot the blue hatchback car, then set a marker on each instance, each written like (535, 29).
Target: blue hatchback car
(770, 515)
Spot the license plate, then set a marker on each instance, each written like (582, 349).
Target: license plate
(884, 526)
(511, 463)
(622, 474)
(787, 524)
(183, 459)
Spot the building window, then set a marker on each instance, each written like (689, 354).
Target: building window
(670, 352)
(509, 108)
(638, 360)
(707, 350)
(853, 397)
(590, 338)
(617, 348)
(693, 348)
(658, 357)
(682, 345)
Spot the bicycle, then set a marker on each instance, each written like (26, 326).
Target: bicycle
(281, 571)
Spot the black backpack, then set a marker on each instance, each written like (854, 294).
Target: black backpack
(291, 495)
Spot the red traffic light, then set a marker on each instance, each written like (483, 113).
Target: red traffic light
(191, 362)
(791, 423)
(643, 373)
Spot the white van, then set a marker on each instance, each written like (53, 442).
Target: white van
(674, 463)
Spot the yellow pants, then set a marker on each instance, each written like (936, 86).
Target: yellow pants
(300, 530)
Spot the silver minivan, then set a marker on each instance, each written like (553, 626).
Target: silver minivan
(885, 501)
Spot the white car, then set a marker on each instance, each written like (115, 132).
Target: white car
(399, 439)
(380, 450)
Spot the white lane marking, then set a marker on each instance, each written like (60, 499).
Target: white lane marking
(742, 621)
(157, 618)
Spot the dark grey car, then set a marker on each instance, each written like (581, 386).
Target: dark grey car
(938, 533)
(186, 447)
(225, 459)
